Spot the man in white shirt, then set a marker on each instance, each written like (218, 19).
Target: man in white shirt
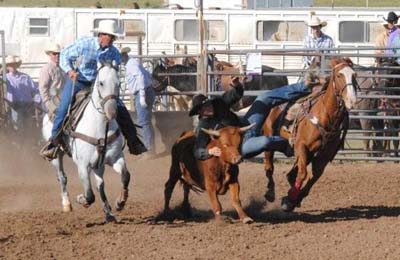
(138, 81)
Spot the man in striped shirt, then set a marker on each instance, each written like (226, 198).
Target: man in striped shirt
(79, 61)
(316, 40)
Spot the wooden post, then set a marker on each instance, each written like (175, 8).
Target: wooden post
(201, 64)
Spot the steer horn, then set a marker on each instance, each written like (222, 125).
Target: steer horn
(211, 132)
(245, 128)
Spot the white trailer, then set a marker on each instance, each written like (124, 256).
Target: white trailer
(28, 29)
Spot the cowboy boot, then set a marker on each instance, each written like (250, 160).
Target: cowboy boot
(128, 130)
(50, 149)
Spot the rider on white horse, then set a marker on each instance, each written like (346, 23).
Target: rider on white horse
(84, 54)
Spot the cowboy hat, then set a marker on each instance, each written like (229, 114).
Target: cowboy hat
(12, 59)
(198, 101)
(125, 50)
(52, 47)
(391, 17)
(108, 27)
(315, 21)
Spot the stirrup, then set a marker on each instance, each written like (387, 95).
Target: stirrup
(285, 132)
(49, 153)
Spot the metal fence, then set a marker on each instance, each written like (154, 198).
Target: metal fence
(355, 148)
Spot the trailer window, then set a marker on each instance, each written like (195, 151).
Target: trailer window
(359, 31)
(188, 30)
(281, 31)
(132, 28)
(352, 31)
(39, 26)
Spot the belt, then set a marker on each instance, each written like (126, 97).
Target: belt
(85, 83)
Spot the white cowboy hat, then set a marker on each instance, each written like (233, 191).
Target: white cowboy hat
(52, 47)
(108, 27)
(315, 21)
(11, 59)
(125, 50)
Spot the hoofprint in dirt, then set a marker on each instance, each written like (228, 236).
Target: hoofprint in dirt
(352, 213)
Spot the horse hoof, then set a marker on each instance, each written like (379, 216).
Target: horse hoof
(67, 207)
(270, 196)
(119, 205)
(82, 200)
(287, 205)
(247, 220)
(110, 219)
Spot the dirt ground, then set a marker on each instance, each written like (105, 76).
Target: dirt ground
(352, 213)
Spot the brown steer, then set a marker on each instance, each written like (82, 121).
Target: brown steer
(215, 175)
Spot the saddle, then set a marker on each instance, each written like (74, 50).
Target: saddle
(294, 112)
(78, 105)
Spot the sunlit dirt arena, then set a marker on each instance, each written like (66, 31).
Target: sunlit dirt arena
(352, 213)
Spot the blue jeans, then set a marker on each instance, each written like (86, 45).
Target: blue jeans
(66, 99)
(253, 142)
(144, 116)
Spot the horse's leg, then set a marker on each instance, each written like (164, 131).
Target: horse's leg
(396, 125)
(88, 197)
(290, 202)
(366, 125)
(120, 167)
(269, 172)
(62, 179)
(318, 167)
(99, 173)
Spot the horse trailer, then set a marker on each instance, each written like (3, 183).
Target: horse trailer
(27, 30)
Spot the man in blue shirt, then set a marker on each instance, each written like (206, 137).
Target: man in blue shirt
(139, 83)
(79, 61)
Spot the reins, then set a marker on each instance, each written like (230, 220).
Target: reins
(100, 143)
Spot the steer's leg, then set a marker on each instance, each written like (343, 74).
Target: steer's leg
(174, 176)
(234, 189)
(212, 194)
(98, 173)
(269, 172)
(62, 179)
(120, 167)
(187, 211)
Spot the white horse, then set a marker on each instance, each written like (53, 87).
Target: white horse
(101, 110)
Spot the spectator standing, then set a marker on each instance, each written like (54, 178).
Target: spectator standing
(139, 83)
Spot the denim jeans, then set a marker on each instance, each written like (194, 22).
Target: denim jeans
(21, 115)
(144, 115)
(253, 142)
(66, 99)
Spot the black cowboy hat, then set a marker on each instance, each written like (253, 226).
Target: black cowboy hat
(391, 17)
(198, 101)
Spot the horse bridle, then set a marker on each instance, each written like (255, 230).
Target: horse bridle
(339, 92)
(103, 100)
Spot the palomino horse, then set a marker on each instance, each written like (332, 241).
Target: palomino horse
(98, 118)
(318, 134)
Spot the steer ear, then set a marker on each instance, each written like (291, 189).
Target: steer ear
(245, 128)
(211, 132)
